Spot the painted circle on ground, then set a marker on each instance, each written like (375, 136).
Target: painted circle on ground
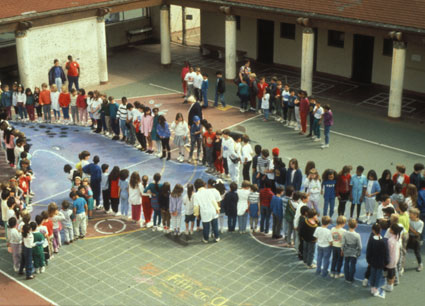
(110, 226)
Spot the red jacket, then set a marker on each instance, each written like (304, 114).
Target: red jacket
(185, 70)
(261, 89)
(343, 184)
(81, 101)
(406, 182)
(304, 106)
(64, 99)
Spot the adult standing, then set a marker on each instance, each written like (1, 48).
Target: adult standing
(57, 75)
(245, 71)
(73, 74)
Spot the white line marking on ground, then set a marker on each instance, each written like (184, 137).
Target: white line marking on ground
(28, 288)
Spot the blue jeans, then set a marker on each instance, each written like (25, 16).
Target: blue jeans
(73, 80)
(58, 82)
(329, 202)
(337, 260)
(323, 259)
(26, 261)
(205, 98)
(124, 206)
(46, 112)
(156, 217)
(375, 277)
(308, 252)
(206, 228)
(350, 268)
(255, 180)
(231, 223)
(57, 114)
(242, 220)
(316, 127)
(221, 97)
(327, 131)
(65, 111)
(266, 113)
(123, 128)
(265, 219)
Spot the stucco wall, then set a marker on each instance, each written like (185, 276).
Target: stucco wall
(176, 18)
(287, 51)
(42, 45)
(212, 28)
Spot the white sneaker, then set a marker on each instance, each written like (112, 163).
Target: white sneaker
(388, 288)
(380, 293)
(43, 269)
(365, 282)
(420, 268)
(204, 241)
(323, 146)
(317, 139)
(313, 137)
(296, 128)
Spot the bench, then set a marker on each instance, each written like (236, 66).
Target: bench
(207, 49)
(136, 32)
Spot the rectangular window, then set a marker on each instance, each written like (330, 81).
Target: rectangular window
(388, 47)
(238, 22)
(287, 30)
(127, 15)
(336, 39)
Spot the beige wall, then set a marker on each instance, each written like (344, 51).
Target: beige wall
(247, 37)
(334, 60)
(287, 51)
(176, 18)
(212, 28)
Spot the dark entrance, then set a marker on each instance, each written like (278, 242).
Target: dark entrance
(362, 58)
(265, 40)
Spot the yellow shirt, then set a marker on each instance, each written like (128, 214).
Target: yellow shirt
(404, 220)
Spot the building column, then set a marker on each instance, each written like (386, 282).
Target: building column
(165, 35)
(230, 47)
(307, 60)
(102, 50)
(397, 79)
(23, 55)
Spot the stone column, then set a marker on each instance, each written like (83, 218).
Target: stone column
(165, 35)
(307, 60)
(230, 47)
(397, 79)
(102, 50)
(24, 56)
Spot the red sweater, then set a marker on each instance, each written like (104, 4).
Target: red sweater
(304, 106)
(266, 195)
(406, 182)
(343, 184)
(64, 99)
(81, 101)
(261, 89)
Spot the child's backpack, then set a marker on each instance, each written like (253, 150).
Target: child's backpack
(290, 212)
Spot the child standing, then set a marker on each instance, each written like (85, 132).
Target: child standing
(67, 222)
(377, 258)
(415, 231)
(176, 203)
(220, 89)
(337, 259)
(89, 197)
(114, 189)
(394, 255)
(164, 205)
(181, 135)
(218, 160)
(307, 227)
(265, 103)
(329, 184)
(54, 97)
(358, 186)
(276, 206)
(243, 195)
(208, 139)
(146, 127)
(82, 106)
(313, 188)
(204, 89)
(37, 250)
(45, 101)
(105, 188)
(122, 111)
(146, 202)
(80, 215)
(324, 246)
(229, 204)
(188, 210)
(28, 244)
(289, 214)
(351, 249)
(372, 190)
(73, 104)
(154, 190)
(163, 132)
(135, 191)
(195, 138)
(14, 241)
(64, 101)
(254, 207)
(123, 188)
(328, 121)
(266, 195)
(56, 216)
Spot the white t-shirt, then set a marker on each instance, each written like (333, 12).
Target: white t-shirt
(243, 195)
(246, 153)
(208, 207)
(96, 104)
(313, 188)
(137, 115)
(54, 98)
(216, 194)
(188, 205)
(180, 129)
(324, 237)
(228, 146)
(319, 112)
(337, 234)
(380, 214)
(190, 77)
(197, 82)
(135, 194)
(265, 101)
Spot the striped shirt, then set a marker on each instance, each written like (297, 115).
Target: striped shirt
(254, 197)
(122, 112)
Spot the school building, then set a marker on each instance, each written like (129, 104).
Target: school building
(378, 42)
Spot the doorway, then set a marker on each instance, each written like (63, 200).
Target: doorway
(265, 41)
(362, 58)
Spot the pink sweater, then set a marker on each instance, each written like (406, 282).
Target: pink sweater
(393, 251)
(146, 125)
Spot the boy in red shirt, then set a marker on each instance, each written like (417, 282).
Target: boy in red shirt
(45, 101)
(266, 195)
(208, 139)
(64, 101)
(261, 86)
(24, 183)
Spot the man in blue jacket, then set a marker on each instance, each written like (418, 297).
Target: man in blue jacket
(276, 206)
(95, 173)
(57, 75)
